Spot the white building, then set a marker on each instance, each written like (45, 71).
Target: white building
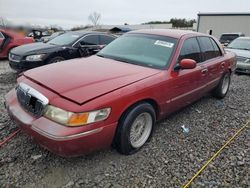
(218, 23)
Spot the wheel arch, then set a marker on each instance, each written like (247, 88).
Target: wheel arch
(151, 101)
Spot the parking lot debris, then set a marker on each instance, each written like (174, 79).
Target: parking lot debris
(232, 107)
(185, 129)
(198, 111)
(35, 157)
(219, 104)
(69, 184)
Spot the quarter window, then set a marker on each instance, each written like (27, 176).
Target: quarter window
(191, 50)
(104, 39)
(90, 40)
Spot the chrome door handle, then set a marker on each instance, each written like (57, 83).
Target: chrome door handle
(204, 71)
(222, 64)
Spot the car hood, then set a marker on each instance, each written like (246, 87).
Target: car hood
(34, 48)
(83, 79)
(241, 53)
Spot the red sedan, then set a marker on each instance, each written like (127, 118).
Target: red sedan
(10, 39)
(115, 97)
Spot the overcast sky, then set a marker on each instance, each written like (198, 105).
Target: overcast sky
(69, 13)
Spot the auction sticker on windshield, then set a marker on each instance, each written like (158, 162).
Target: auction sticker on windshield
(164, 43)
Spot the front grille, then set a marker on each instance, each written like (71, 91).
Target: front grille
(14, 57)
(31, 100)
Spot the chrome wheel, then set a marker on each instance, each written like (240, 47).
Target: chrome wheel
(141, 129)
(225, 84)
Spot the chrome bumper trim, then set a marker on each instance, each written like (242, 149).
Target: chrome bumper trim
(69, 137)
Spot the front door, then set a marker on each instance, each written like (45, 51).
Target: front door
(186, 85)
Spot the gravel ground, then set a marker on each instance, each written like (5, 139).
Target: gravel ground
(169, 160)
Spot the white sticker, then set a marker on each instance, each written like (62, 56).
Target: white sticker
(75, 36)
(164, 43)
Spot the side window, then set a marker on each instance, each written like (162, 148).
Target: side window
(90, 40)
(104, 39)
(1, 36)
(217, 51)
(207, 48)
(191, 50)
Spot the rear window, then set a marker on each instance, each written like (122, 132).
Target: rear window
(228, 37)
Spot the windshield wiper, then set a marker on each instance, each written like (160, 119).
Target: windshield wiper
(244, 48)
(100, 55)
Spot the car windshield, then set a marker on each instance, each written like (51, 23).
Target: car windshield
(55, 34)
(240, 43)
(65, 39)
(141, 49)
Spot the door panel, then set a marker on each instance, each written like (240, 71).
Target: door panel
(184, 88)
(186, 85)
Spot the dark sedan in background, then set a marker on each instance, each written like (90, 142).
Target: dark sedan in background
(66, 46)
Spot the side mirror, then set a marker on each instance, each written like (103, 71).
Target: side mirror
(187, 64)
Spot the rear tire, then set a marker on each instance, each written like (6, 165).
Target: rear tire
(135, 128)
(221, 90)
(56, 59)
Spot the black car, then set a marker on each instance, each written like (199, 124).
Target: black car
(66, 46)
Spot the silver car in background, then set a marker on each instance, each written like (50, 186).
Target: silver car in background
(241, 46)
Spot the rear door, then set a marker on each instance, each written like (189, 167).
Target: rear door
(213, 62)
(186, 85)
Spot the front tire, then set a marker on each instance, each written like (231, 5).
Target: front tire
(221, 90)
(55, 60)
(135, 128)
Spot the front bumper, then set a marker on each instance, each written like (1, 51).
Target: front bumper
(59, 139)
(24, 65)
(242, 67)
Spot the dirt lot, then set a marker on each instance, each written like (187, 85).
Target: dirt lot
(169, 160)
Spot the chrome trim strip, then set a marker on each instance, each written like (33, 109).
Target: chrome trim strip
(34, 93)
(190, 92)
(62, 138)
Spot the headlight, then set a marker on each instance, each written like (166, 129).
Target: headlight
(75, 119)
(38, 57)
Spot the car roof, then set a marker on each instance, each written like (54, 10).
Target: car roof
(247, 38)
(83, 32)
(232, 34)
(175, 33)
